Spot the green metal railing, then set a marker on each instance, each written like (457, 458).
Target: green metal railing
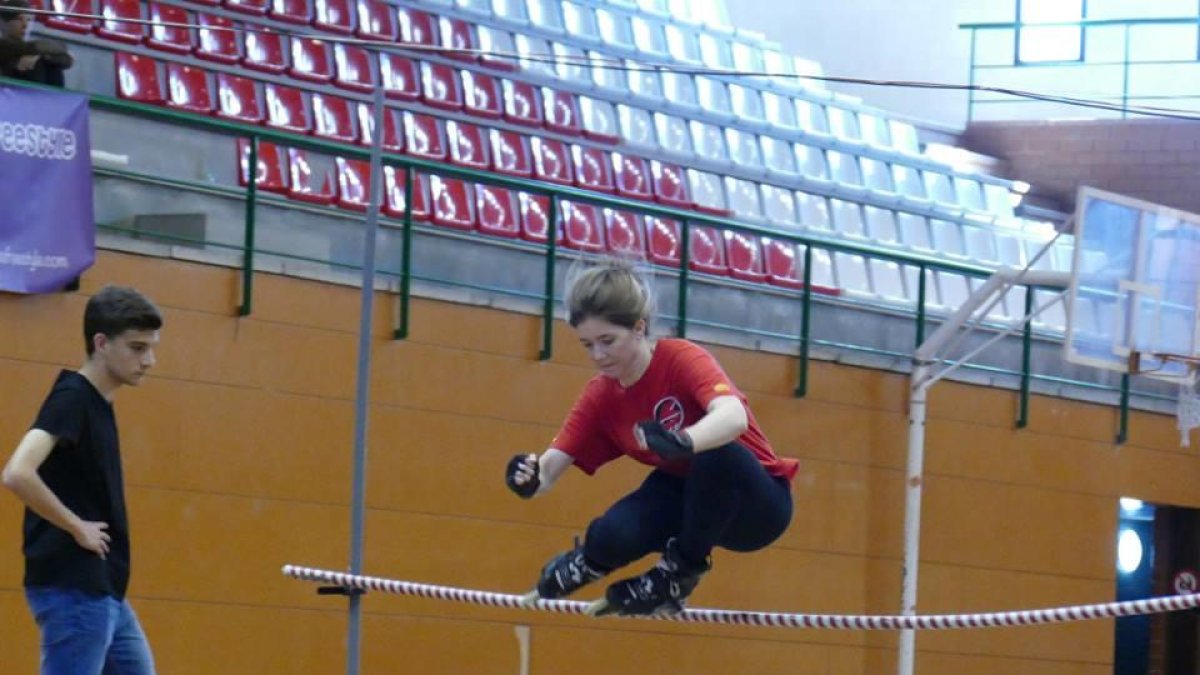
(687, 220)
(1087, 61)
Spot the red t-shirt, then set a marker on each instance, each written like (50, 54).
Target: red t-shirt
(680, 382)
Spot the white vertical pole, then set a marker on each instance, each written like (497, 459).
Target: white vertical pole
(914, 477)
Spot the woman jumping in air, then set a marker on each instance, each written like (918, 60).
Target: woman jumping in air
(666, 403)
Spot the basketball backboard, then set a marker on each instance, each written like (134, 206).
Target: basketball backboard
(1135, 284)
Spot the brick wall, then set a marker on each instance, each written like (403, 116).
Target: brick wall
(1155, 160)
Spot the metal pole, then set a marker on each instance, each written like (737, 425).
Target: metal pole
(358, 500)
(805, 324)
(685, 262)
(917, 406)
(1026, 362)
(551, 260)
(248, 241)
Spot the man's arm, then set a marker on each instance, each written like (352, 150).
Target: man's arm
(21, 476)
(11, 50)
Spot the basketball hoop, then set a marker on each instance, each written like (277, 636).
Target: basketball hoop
(1187, 414)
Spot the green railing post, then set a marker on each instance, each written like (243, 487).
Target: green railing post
(805, 324)
(548, 305)
(248, 238)
(1123, 430)
(1125, 78)
(921, 291)
(406, 257)
(685, 261)
(971, 79)
(1026, 363)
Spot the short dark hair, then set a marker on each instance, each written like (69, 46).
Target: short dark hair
(116, 309)
(11, 9)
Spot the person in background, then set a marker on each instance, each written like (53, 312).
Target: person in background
(41, 60)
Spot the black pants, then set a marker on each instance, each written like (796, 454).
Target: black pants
(727, 499)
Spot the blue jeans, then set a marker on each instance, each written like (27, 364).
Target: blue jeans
(86, 634)
(727, 499)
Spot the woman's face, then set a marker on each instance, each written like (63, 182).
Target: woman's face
(616, 350)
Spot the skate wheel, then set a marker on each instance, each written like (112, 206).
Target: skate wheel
(599, 608)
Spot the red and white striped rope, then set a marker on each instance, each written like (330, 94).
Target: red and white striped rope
(1029, 617)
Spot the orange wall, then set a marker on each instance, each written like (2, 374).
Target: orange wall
(238, 460)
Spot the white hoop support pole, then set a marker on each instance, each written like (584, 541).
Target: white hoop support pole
(1030, 617)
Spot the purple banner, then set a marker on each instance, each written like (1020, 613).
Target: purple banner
(47, 229)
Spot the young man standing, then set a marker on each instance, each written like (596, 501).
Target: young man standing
(67, 471)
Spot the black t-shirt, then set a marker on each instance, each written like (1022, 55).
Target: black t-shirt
(84, 472)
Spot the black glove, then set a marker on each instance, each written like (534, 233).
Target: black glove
(666, 443)
(528, 488)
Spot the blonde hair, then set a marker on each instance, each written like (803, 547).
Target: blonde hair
(612, 290)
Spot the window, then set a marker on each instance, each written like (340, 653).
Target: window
(1039, 44)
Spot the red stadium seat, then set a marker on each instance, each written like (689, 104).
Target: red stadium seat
(424, 136)
(393, 139)
(354, 184)
(264, 51)
(663, 239)
(453, 203)
(550, 160)
(582, 226)
(137, 78)
(670, 184)
(593, 168)
(291, 11)
(256, 7)
(632, 176)
(745, 256)
(188, 89)
(238, 99)
(783, 263)
(522, 104)
(459, 35)
(287, 109)
(510, 153)
(353, 67)
(400, 78)
(468, 146)
(303, 184)
(417, 27)
(376, 20)
(624, 233)
(335, 16)
(71, 23)
(393, 188)
(562, 112)
(173, 38)
(270, 175)
(496, 211)
(333, 118)
(481, 95)
(441, 86)
(116, 24)
(311, 60)
(535, 216)
(708, 250)
(216, 40)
